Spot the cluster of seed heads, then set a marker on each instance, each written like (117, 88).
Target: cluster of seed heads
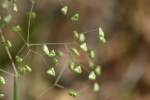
(76, 67)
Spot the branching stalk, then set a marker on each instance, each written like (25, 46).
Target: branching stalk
(15, 96)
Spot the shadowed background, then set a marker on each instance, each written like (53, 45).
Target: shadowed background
(125, 58)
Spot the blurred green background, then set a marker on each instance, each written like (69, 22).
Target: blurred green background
(125, 58)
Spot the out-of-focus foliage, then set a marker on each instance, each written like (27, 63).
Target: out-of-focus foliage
(124, 58)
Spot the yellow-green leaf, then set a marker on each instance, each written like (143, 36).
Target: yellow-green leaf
(16, 29)
(2, 95)
(78, 69)
(28, 68)
(45, 49)
(51, 72)
(76, 34)
(19, 59)
(75, 17)
(71, 65)
(15, 9)
(5, 4)
(7, 19)
(73, 93)
(96, 87)
(83, 46)
(52, 53)
(91, 53)
(64, 10)
(2, 80)
(92, 75)
(101, 35)
(8, 44)
(81, 37)
(75, 51)
(98, 70)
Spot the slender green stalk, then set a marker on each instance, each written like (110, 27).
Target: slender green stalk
(8, 73)
(41, 44)
(15, 88)
(13, 65)
(29, 23)
(8, 53)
